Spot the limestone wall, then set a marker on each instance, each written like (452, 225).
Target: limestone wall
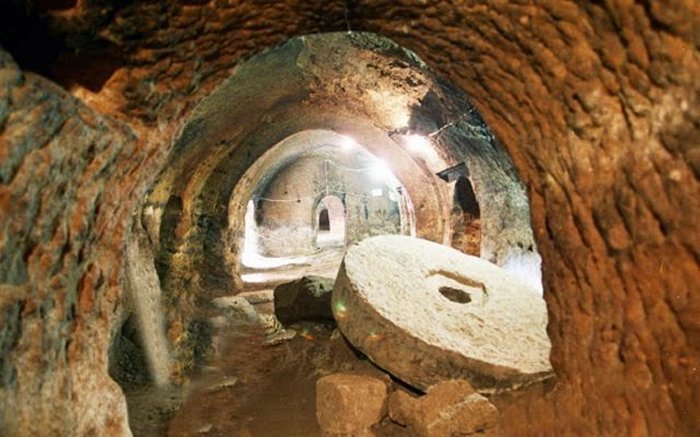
(290, 227)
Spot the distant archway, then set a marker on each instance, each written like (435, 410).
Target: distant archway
(324, 224)
(465, 198)
(466, 224)
(330, 221)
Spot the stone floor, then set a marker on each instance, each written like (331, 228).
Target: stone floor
(274, 391)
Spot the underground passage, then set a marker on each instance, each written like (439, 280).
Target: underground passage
(349, 218)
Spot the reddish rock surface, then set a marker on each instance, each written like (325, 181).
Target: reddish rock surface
(450, 408)
(597, 105)
(347, 403)
(67, 188)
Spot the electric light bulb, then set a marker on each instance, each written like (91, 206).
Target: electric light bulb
(417, 143)
(346, 143)
(380, 171)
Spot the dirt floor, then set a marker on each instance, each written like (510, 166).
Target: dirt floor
(257, 390)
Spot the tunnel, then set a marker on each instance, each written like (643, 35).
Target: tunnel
(165, 165)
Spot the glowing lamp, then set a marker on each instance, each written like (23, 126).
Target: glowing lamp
(346, 143)
(380, 171)
(417, 143)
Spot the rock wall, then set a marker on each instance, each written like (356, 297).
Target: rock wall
(293, 225)
(596, 103)
(598, 107)
(66, 194)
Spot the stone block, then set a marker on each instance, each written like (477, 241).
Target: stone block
(237, 310)
(350, 404)
(401, 407)
(450, 408)
(307, 298)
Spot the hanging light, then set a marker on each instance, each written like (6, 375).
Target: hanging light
(380, 171)
(346, 143)
(417, 143)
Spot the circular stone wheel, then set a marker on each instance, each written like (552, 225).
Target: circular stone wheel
(427, 313)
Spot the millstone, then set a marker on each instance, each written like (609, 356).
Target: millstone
(428, 313)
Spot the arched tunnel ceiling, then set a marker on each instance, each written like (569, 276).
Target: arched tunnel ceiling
(289, 187)
(311, 145)
(596, 104)
(357, 84)
(297, 147)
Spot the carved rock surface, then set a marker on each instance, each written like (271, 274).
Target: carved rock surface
(307, 298)
(64, 204)
(597, 104)
(347, 403)
(431, 313)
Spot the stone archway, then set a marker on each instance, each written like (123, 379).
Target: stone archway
(221, 160)
(331, 221)
(466, 226)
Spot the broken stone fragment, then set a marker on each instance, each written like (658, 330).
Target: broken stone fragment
(449, 408)
(350, 404)
(307, 298)
(401, 407)
(237, 310)
(204, 429)
(428, 313)
(224, 382)
(274, 332)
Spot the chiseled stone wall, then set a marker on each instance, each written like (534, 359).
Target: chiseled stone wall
(67, 186)
(289, 228)
(596, 103)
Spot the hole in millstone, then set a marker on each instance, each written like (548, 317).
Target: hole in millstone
(459, 289)
(455, 295)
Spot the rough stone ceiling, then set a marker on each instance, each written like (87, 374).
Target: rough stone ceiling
(358, 85)
(596, 104)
